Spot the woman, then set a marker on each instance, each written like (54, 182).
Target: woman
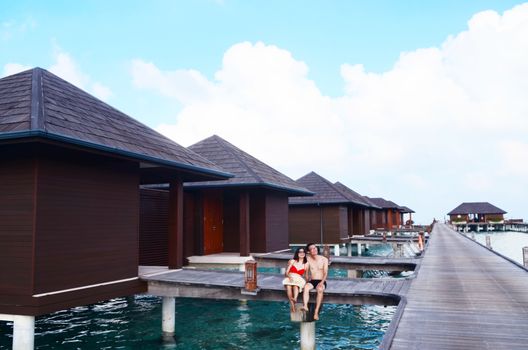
(294, 281)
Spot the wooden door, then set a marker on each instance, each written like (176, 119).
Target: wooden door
(213, 219)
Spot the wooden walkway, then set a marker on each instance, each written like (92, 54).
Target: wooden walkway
(346, 262)
(229, 285)
(464, 297)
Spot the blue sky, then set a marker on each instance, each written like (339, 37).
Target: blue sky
(363, 92)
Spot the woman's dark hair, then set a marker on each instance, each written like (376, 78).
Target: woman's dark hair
(296, 255)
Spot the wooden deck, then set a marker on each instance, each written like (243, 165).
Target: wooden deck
(229, 285)
(464, 297)
(375, 239)
(346, 262)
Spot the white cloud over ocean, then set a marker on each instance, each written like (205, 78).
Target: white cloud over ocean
(446, 124)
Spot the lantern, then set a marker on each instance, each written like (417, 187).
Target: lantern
(250, 276)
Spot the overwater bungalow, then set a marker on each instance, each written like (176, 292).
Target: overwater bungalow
(245, 214)
(334, 213)
(70, 176)
(389, 216)
(476, 212)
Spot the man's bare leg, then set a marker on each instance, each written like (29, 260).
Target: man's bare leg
(318, 302)
(306, 296)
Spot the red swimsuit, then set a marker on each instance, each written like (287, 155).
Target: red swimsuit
(294, 270)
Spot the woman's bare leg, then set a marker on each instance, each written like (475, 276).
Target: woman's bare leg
(290, 298)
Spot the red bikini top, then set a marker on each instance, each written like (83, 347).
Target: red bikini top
(294, 270)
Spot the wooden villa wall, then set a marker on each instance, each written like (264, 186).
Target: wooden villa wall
(361, 220)
(73, 224)
(455, 218)
(381, 219)
(305, 224)
(257, 222)
(268, 225)
(17, 190)
(276, 221)
(231, 221)
(366, 221)
(153, 227)
(154, 219)
(87, 215)
(373, 222)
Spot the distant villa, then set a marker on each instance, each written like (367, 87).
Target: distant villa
(476, 212)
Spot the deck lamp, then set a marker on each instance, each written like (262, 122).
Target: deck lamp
(250, 276)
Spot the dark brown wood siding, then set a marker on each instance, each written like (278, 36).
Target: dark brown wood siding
(231, 222)
(153, 227)
(304, 224)
(358, 223)
(366, 221)
(276, 221)
(87, 221)
(333, 227)
(343, 223)
(17, 178)
(257, 222)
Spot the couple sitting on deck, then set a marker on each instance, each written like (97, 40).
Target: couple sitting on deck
(306, 271)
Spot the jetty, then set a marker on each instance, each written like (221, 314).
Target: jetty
(361, 263)
(465, 296)
(461, 295)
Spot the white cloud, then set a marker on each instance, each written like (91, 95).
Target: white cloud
(66, 68)
(13, 68)
(439, 115)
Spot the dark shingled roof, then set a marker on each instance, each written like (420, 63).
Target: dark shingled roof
(405, 209)
(325, 192)
(383, 203)
(354, 196)
(248, 170)
(38, 104)
(476, 208)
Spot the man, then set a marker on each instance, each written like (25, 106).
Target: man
(318, 274)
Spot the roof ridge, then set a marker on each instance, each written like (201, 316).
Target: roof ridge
(352, 193)
(37, 100)
(328, 182)
(231, 149)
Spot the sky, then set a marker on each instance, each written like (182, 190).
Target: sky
(419, 102)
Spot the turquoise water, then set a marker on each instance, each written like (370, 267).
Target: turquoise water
(507, 243)
(135, 323)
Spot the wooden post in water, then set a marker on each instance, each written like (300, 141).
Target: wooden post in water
(24, 332)
(488, 242)
(168, 311)
(525, 256)
(307, 335)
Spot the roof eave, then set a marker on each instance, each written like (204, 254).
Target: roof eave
(69, 140)
(291, 192)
